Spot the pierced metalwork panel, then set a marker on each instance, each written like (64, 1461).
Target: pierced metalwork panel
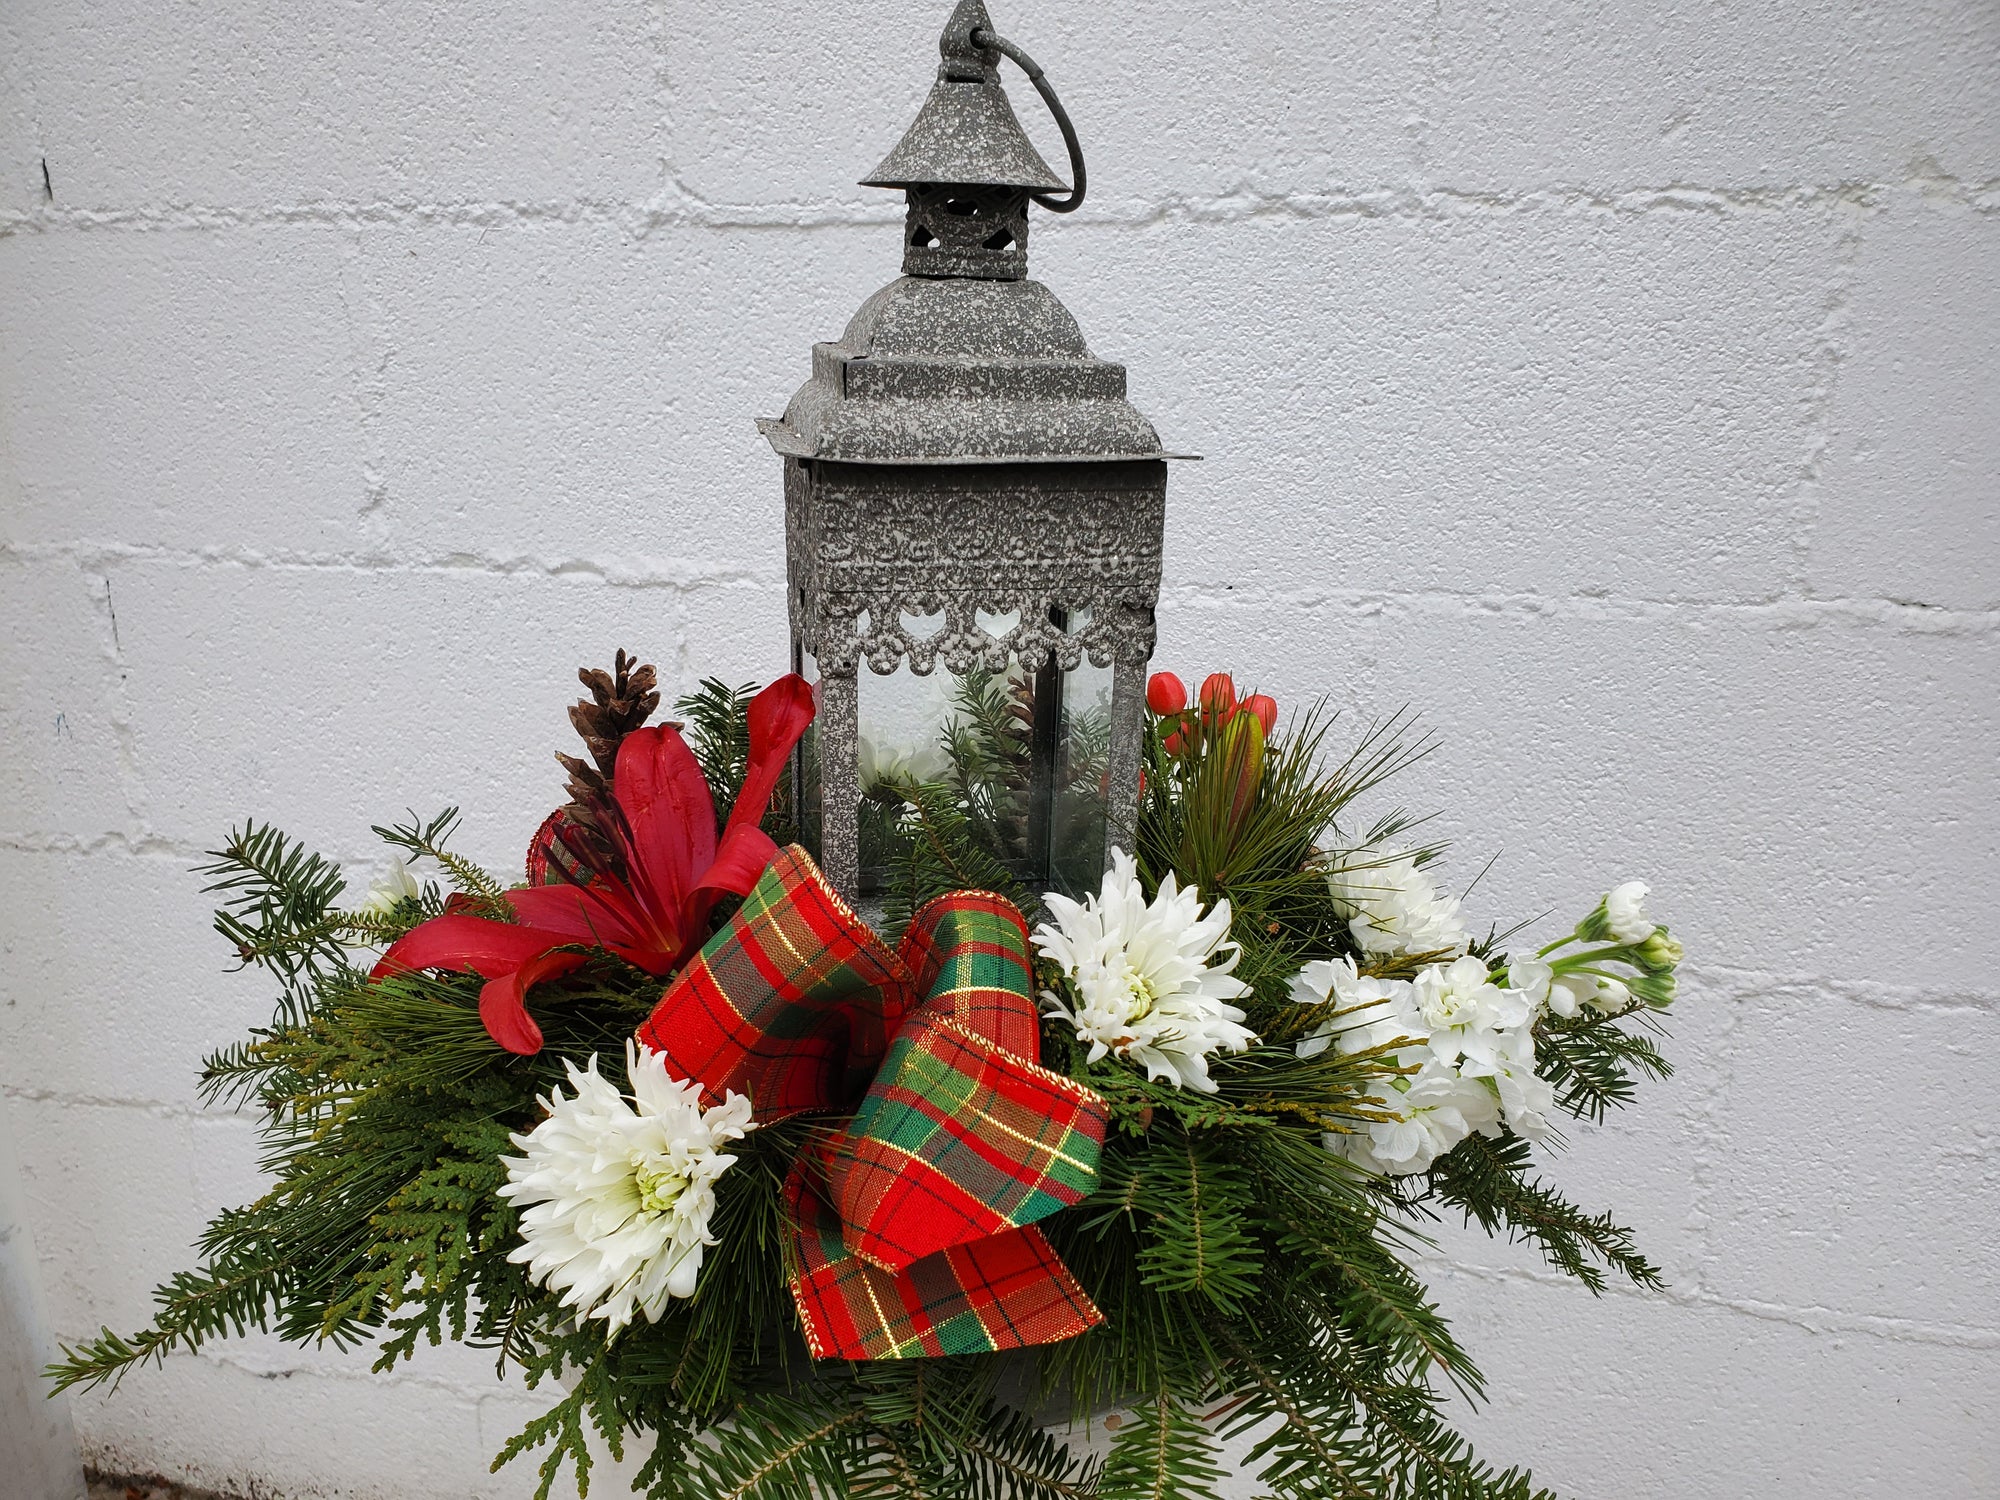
(998, 551)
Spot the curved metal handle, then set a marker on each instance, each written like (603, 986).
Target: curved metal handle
(985, 39)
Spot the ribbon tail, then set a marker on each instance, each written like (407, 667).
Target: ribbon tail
(1007, 1291)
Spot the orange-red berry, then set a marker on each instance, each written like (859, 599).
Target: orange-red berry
(1218, 696)
(1166, 694)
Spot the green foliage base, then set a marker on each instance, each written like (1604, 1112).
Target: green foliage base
(1254, 1284)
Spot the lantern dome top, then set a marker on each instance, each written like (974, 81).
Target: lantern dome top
(967, 133)
(962, 371)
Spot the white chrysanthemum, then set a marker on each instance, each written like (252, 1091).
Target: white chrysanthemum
(1146, 981)
(619, 1192)
(392, 886)
(1625, 912)
(1392, 905)
(895, 764)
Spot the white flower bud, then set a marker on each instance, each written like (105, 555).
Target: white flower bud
(1625, 913)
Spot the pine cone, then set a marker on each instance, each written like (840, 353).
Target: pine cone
(624, 699)
(586, 838)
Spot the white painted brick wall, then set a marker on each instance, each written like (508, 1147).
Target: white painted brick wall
(1615, 382)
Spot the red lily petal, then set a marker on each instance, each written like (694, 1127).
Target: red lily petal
(584, 914)
(503, 1002)
(604, 915)
(746, 853)
(671, 815)
(778, 718)
(467, 945)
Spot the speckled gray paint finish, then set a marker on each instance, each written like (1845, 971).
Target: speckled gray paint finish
(961, 452)
(957, 370)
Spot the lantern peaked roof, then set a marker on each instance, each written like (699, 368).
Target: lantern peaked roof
(967, 131)
(943, 371)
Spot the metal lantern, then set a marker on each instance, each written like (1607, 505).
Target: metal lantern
(967, 487)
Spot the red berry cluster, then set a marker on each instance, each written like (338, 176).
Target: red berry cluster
(1167, 697)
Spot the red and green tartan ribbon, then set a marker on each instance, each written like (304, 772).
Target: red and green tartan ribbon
(913, 1228)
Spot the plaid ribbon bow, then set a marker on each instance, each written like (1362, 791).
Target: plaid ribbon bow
(913, 1228)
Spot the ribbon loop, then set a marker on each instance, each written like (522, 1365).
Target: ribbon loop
(912, 1228)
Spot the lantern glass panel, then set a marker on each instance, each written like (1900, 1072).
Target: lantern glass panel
(1022, 752)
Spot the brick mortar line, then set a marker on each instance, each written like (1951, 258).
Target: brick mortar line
(1779, 610)
(1812, 1318)
(1783, 609)
(677, 208)
(1756, 984)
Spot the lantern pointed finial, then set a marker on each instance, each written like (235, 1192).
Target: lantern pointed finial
(959, 49)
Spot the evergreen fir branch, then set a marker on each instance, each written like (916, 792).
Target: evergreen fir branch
(988, 746)
(718, 722)
(227, 1297)
(897, 1465)
(426, 840)
(277, 897)
(1341, 1433)
(942, 853)
(1325, 1224)
(1189, 1206)
(777, 1447)
(1007, 1457)
(1594, 1063)
(1488, 1181)
(1164, 1452)
(1310, 1452)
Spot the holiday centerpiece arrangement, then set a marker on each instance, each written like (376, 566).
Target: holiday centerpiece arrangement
(791, 1205)
(1127, 1105)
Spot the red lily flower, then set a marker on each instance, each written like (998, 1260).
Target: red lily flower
(656, 915)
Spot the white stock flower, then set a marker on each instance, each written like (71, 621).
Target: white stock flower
(1471, 1041)
(1435, 1111)
(1625, 912)
(1392, 905)
(1613, 995)
(1146, 988)
(1375, 1011)
(393, 885)
(616, 1194)
(1534, 979)
(1526, 1100)
(1458, 997)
